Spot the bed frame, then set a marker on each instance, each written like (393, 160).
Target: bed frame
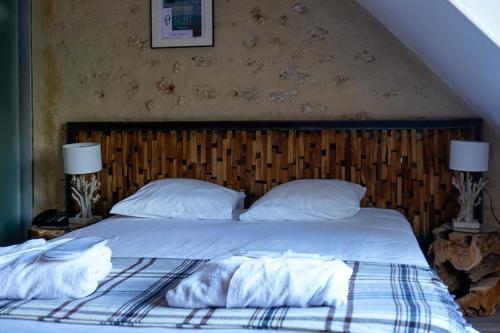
(403, 164)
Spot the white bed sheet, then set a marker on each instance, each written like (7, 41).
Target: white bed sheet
(377, 235)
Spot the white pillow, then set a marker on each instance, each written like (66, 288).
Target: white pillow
(307, 200)
(181, 198)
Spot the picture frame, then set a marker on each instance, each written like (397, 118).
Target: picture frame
(182, 23)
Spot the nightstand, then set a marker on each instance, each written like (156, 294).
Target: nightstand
(468, 261)
(50, 232)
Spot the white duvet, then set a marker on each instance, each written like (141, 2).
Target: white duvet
(377, 235)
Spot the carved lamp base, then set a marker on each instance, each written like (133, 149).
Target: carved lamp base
(468, 199)
(84, 192)
(466, 225)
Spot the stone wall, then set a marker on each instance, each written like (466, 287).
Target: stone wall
(276, 60)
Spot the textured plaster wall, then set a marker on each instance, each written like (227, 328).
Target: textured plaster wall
(280, 59)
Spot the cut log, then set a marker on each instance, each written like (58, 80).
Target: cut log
(453, 278)
(469, 264)
(464, 251)
(489, 266)
(482, 299)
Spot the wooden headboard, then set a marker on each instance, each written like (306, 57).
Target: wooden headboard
(403, 164)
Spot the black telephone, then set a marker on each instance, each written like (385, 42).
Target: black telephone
(50, 217)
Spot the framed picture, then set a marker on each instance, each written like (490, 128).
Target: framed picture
(182, 23)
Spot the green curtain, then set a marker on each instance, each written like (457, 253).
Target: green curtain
(10, 222)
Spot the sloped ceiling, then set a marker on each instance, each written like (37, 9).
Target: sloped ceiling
(484, 14)
(455, 38)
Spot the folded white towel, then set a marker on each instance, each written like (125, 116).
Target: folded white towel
(7, 253)
(293, 280)
(74, 248)
(28, 275)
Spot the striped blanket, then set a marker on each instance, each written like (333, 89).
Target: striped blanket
(382, 298)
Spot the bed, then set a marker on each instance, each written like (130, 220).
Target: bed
(392, 287)
(389, 251)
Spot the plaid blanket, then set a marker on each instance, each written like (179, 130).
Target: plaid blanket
(382, 298)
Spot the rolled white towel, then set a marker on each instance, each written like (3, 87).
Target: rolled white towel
(30, 276)
(240, 281)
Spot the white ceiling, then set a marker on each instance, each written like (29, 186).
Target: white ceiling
(458, 39)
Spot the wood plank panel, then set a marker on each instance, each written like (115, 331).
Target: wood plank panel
(404, 169)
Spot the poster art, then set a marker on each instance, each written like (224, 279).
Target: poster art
(181, 23)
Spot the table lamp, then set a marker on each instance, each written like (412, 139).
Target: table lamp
(81, 159)
(468, 156)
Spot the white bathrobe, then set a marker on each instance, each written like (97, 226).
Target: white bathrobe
(240, 281)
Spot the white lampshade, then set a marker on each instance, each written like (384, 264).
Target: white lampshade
(81, 158)
(469, 155)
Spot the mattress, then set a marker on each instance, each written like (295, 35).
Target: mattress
(373, 235)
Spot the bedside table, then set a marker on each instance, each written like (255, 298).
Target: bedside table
(49, 232)
(469, 263)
